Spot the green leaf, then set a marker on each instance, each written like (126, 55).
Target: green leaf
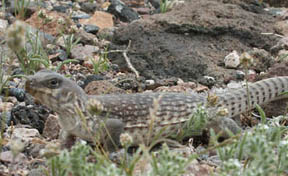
(262, 114)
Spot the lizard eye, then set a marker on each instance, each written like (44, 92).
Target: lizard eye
(53, 83)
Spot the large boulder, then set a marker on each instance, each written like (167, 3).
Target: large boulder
(192, 40)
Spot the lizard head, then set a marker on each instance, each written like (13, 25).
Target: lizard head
(53, 90)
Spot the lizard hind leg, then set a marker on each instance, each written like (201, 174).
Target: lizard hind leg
(221, 125)
(67, 139)
(111, 131)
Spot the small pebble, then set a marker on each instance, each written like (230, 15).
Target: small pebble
(18, 93)
(149, 82)
(240, 75)
(91, 29)
(208, 81)
(232, 60)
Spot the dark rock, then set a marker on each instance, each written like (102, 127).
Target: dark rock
(29, 100)
(188, 41)
(86, 38)
(63, 55)
(10, 17)
(130, 83)
(115, 67)
(79, 25)
(155, 3)
(91, 78)
(18, 93)
(88, 7)
(17, 71)
(208, 81)
(123, 12)
(35, 116)
(278, 3)
(61, 8)
(240, 75)
(15, 92)
(80, 16)
(91, 29)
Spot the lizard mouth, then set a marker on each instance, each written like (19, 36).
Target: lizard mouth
(39, 93)
(29, 87)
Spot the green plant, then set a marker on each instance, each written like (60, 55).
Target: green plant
(264, 150)
(2, 72)
(168, 162)
(27, 47)
(21, 8)
(3, 5)
(4, 78)
(246, 61)
(2, 84)
(165, 5)
(82, 160)
(76, 162)
(195, 124)
(70, 43)
(102, 64)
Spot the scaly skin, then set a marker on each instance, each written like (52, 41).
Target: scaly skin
(142, 115)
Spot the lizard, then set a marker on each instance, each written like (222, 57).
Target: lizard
(80, 114)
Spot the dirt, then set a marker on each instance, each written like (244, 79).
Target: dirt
(192, 40)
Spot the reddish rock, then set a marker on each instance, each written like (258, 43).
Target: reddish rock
(102, 87)
(52, 27)
(52, 127)
(84, 52)
(10, 158)
(100, 19)
(279, 69)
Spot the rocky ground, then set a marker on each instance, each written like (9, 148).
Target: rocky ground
(191, 45)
